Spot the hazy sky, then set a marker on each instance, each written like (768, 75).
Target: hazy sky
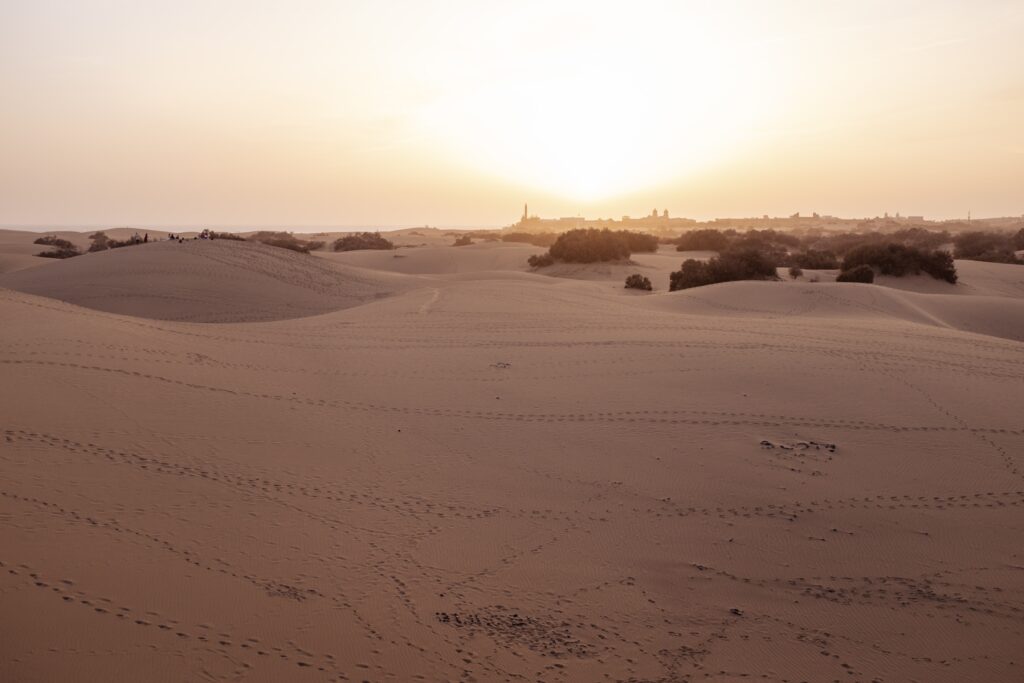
(455, 113)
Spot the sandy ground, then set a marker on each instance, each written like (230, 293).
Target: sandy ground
(443, 467)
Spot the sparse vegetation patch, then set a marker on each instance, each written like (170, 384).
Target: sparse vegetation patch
(638, 281)
(362, 240)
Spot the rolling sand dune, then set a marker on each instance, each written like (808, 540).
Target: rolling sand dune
(996, 316)
(441, 259)
(203, 281)
(474, 473)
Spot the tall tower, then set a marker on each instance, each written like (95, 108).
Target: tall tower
(526, 212)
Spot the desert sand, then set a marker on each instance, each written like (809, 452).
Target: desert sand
(227, 462)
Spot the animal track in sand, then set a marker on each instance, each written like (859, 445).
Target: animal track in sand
(406, 505)
(658, 416)
(272, 587)
(230, 644)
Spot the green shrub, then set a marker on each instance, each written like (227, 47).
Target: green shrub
(743, 264)
(286, 240)
(540, 239)
(61, 252)
(988, 246)
(541, 260)
(590, 245)
(861, 273)
(54, 241)
(939, 264)
(693, 273)
(640, 241)
(707, 239)
(638, 281)
(795, 272)
(815, 260)
(362, 240)
(898, 260)
(100, 241)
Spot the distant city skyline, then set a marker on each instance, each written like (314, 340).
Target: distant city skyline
(453, 114)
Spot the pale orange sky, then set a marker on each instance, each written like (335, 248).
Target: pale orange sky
(455, 113)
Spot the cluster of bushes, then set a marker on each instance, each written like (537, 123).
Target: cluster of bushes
(842, 242)
(540, 239)
(225, 236)
(638, 281)
(711, 239)
(61, 247)
(898, 259)
(286, 240)
(463, 241)
(541, 260)
(730, 265)
(814, 260)
(708, 239)
(901, 252)
(811, 248)
(990, 246)
(590, 245)
(862, 273)
(362, 240)
(101, 242)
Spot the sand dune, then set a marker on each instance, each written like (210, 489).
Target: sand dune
(433, 260)
(465, 472)
(989, 315)
(202, 281)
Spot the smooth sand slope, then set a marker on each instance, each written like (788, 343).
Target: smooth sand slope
(203, 281)
(502, 476)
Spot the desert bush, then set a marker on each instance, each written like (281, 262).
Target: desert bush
(815, 260)
(1018, 239)
(285, 240)
(590, 245)
(693, 273)
(742, 264)
(861, 273)
(939, 264)
(541, 260)
(61, 252)
(638, 281)
(640, 241)
(226, 236)
(54, 241)
(842, 242)
(100, 241)
(987, 246)
(898, 260)
(770, 236)
(463, 241)
(361, 241)
(707, 239)
(795, 272)
(540, 239)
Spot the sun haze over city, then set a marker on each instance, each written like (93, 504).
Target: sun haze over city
(473, 342)
(403, 113)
